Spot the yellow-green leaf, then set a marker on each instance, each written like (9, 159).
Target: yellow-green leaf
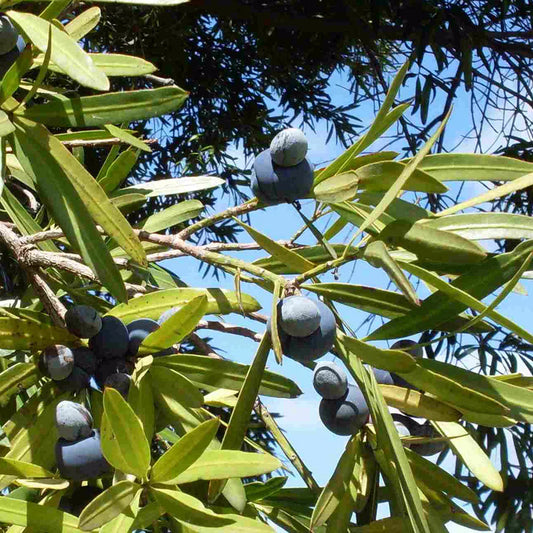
(12, 467)
(170, 386)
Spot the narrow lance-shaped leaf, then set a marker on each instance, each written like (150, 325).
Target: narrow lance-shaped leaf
(274, 320)
(110, 108)
(240, 416)
(127, 137)
(172, 216)
(65, 52)
(171, 387)
(81, 25)
(177, 327)
(184, 453)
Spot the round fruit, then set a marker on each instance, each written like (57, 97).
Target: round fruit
(347, 415)
(81, 459)
(383, 376)
(85, 359)
(76, 381)
(411, 348)
(305, 349)
(288, 147)
(119, 381)
(138, 330)
(108, 367)
(73, 421)
(8, 35)
(83, 321)
(428, 448)
(274, 184)
(330, 380)
(298, 316)
(7, 60)
(112, 340)
(58, 361)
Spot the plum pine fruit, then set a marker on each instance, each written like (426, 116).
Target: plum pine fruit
(383, 377)
(346, 415)
(73, 421)
(138, 330)
(8, 35)
(298, 316)
(84, 359)
(57, 361)
(320, 342)
(427, 448)
(112, 340)
(167, 314)
(107, 367)
(119, 381)
(330, 380)
(6, 60)
(79, 499)
(274, 184)
(77, 380)
(83, 321)
(81, 459)
(288, 147)
(410, 347)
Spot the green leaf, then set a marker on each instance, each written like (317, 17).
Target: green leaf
(184, 453)
(496, 192)
(274, 315)
(471, 454)
(108, 505)
(94, 198)
(177, 327)
(128, 203)
(440, 479)
(391, 360)
(397, 209)
(479, 281)
(174, 186)
(15, 377)
(110, 447)
(384, 525)
(432, 244)
(170, 386)
(110, 108)
(212, 374)
(225, 464)
(518, 399)
(413, 403)
(119, 170)
(474, 167)
(12, 467)
(127, 137)
(60, 196)
(240, 416)
(141, 399)
(172, 216)
(286, 256)
(50, 520)
(258, 490)
(153, 305)
(337, 485)
(126, 429)
(122, 65)
(66, 54)
(81, 25)
(6, 126)
(477, 226)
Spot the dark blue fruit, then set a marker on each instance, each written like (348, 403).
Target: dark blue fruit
(73, 421)
(421, 430)
(77, 381)
(79, 499)
(107, 367)
(288, 147)
(383, 376)
(83, 321)
(85, 359)
(57, 361)
(410, 347)
(8, 35)
(7, 60)
(138, 330)
(298, 316)
(274, 184)
(81, 459)
(330, 380)
(347, 415)
(112, 340)
(120, 381)
(305, 349)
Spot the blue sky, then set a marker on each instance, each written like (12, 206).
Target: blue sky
(319, 448)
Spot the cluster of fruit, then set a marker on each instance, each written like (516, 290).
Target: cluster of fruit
(11, 45)
(282, 173)
(78, 450)
(110, 357)
(344, 411)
